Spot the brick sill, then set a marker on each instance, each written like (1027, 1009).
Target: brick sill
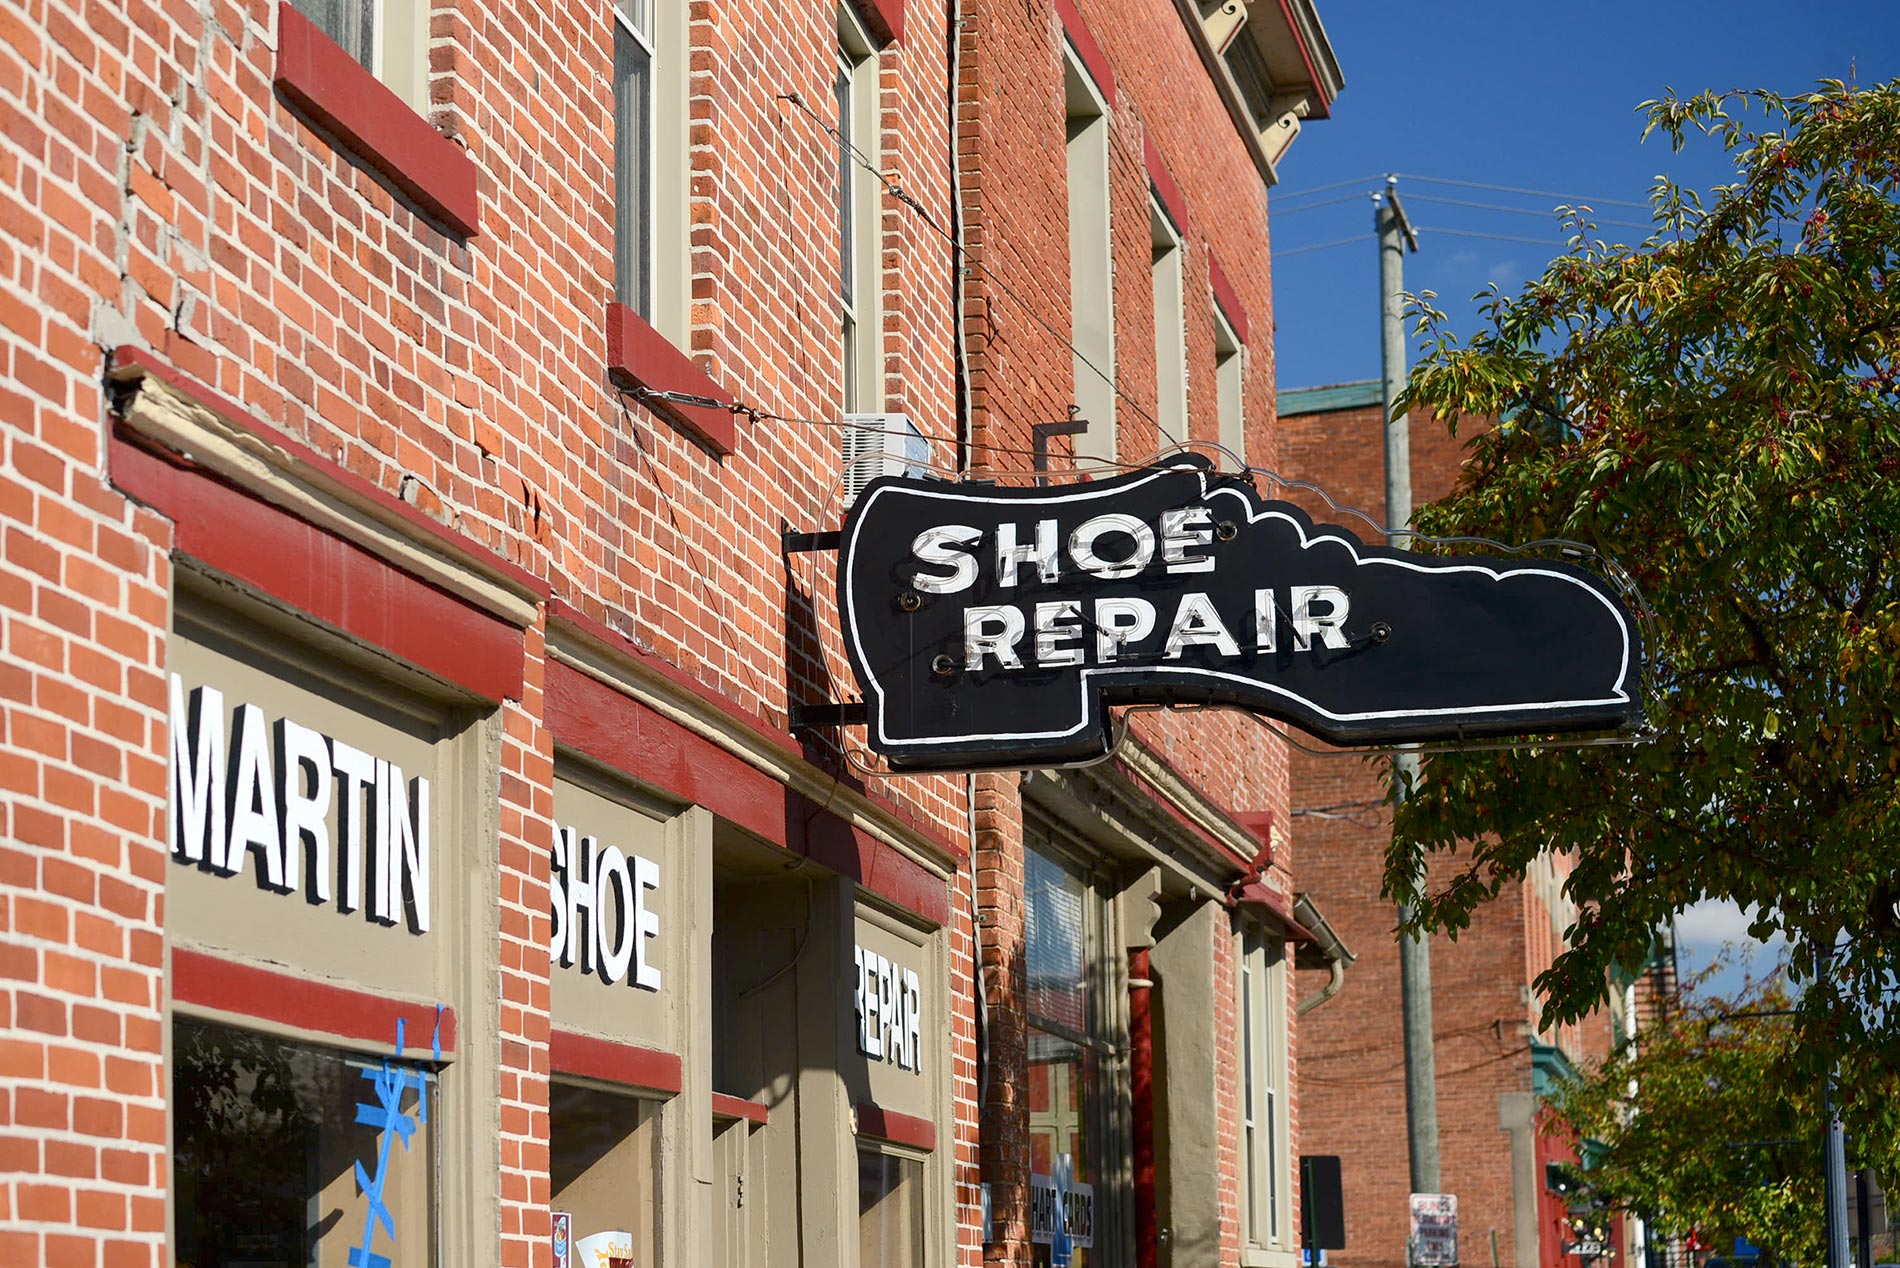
(356, 108)
(640, 357)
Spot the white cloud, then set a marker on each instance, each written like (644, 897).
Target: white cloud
(1702, 931)
(1505, 273)
(1714, 921)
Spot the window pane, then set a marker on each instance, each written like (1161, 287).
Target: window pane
(890, 1211)
(1064, 1087)
(601, 1165)
(351, 23)
(847, 232)
(1056, 941)
(638, 14)
(633, 171)
(267, 1138)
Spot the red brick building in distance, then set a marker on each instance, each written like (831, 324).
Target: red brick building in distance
(1493, 1059)
(413, 849)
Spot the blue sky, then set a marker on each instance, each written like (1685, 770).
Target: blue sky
(1526, 95)
(1530, 97)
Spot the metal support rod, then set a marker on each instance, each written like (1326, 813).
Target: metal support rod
(1836, 1188)
(1415, 956)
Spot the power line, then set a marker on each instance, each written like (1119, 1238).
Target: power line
(1327, 189)
(1495, 237)
(1321, 246)
(1532, 193)
(1516, 211)
(1324, 202)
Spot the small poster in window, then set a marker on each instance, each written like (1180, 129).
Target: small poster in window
(563, 1239)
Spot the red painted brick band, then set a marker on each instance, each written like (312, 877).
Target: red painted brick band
(899, 1129)
(724, 1106)
(359, 110)
(587, 715)
(610, 1062)
(638, 356)
(320, 1007)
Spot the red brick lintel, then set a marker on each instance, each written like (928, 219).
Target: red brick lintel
(357, 109)
(1227, 297)
(1172, 200)
(1093, 59)
(884, 17)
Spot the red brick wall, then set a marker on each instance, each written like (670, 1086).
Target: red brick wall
(1015, 199)
(1484, 1017)
(159, 193)
(1352, 1086)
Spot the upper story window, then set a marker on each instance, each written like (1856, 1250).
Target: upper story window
(388, 38)
(1170, 325)
(859, 291)
(1265, 1222)
(650, 163)
(1091, 263)
(633, 155)
(1229, 371)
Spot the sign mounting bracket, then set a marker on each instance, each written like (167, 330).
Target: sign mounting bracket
(829, 715)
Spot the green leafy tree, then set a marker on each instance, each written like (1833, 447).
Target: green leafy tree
(1706, 1123)
(1716, 408)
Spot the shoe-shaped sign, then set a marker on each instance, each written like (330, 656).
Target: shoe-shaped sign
(994, 627)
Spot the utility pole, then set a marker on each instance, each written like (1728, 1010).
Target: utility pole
(1835, 1157)
(1415, 956)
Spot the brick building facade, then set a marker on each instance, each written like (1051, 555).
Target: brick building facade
(411, 850)
(1493, 1060)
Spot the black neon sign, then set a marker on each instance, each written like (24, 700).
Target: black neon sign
(995, 626)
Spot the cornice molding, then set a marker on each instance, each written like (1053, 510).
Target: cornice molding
(579, 650)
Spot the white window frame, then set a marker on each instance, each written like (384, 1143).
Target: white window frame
(1171, 371)
(1091, 259)
(860, 204)
(1260, 977)
(638, 26)
(1230, 378)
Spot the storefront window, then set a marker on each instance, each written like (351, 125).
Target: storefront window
(268, 1139)
(601, 1166)
(890, 1210)
(1067, 1106)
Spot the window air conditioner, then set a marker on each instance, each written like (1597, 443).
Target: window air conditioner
(878, 445)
